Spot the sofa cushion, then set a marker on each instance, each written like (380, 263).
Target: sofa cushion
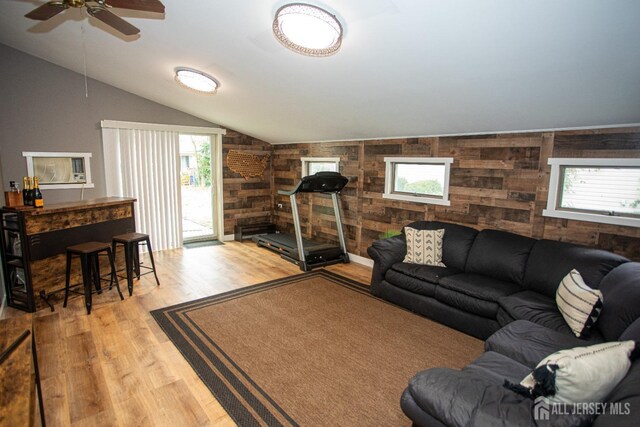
(632, 332)
(497, 367)
(430, 273)
(503, 317)
(411, 284)
(621, 290)
(500, 255)
(550, 261)
(456, 243)
(466, 303)
(474, 293)
(528, 343)
(536, 308)
(626, 396)
(579, 305)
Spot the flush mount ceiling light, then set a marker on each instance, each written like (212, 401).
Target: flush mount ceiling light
(196, 80)
(307, 29)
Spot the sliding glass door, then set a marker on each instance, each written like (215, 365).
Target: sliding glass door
(197, 193)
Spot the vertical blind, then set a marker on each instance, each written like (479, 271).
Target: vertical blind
(145, 164)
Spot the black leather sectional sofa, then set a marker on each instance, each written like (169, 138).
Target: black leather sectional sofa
(500, 287)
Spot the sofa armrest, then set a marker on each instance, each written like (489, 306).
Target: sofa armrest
(459, 398)
(385, 253)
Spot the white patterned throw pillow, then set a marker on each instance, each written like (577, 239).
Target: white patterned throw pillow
(424, 246)
(581, 374)
(578, 303)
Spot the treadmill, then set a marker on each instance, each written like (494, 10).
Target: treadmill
(308, 254)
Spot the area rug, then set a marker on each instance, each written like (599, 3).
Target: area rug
(312, 349)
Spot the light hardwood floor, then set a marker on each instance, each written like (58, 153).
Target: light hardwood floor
(116, 367)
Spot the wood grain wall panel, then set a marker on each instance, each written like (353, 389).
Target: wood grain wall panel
(497, 181)
(246, 201)
(598, 143)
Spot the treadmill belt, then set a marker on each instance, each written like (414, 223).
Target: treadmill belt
(287, 240)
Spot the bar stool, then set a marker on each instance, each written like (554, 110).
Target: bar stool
(131, 241)
(90, 262)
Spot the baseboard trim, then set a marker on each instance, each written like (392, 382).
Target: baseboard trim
(3, 304)
(228, 237)
(361, 260)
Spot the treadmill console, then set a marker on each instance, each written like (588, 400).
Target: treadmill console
(322, 182)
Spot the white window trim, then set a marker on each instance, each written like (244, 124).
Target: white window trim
(388, 178)
(307, 160)
(554, 191)
(29, 155)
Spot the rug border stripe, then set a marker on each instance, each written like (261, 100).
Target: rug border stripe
(168, 318)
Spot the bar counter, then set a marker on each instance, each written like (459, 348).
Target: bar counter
(34, 243)
(79, 205)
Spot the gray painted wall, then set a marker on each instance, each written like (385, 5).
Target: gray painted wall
(44, 108)
(2, 301)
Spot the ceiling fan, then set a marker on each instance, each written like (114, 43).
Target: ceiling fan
(99, 9)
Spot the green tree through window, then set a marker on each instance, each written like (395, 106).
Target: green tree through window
(203, 159)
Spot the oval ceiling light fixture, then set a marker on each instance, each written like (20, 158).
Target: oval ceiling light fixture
(307, 29)
(196, 80)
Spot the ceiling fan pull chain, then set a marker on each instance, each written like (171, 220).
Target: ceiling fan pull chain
(84, 62)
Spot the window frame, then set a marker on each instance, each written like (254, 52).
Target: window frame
(306, 161)
(556, 179)
(426, 199)
(29, 155)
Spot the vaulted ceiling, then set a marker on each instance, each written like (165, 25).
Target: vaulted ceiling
(406, 67)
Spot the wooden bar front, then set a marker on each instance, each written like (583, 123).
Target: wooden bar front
(50, 230)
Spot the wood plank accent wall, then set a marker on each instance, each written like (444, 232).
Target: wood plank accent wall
(246, 201)
(497, 181)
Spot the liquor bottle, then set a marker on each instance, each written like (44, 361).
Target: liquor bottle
(38, 201)
(25, 191)
(32, 196)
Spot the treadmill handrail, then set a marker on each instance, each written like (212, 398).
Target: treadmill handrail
(307, 184)
(288, 193)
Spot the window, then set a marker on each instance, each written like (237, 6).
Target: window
(311, 165)
(597, 190)
(60, 170)
(418, 179)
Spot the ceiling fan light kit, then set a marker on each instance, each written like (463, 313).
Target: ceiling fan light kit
(196, 80)
(307, 29)
(99, 9)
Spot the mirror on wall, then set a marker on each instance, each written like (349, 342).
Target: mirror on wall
(60, 170)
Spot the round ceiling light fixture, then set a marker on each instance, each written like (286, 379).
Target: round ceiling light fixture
(307, 29)
(196, 80)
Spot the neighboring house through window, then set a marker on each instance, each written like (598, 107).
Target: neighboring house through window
(418, 179)
(598, 190)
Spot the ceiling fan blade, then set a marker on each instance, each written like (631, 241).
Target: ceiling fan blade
(144, 5)
(46, 11)
(114, 21)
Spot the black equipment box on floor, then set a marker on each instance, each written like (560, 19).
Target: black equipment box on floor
(242, 232)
